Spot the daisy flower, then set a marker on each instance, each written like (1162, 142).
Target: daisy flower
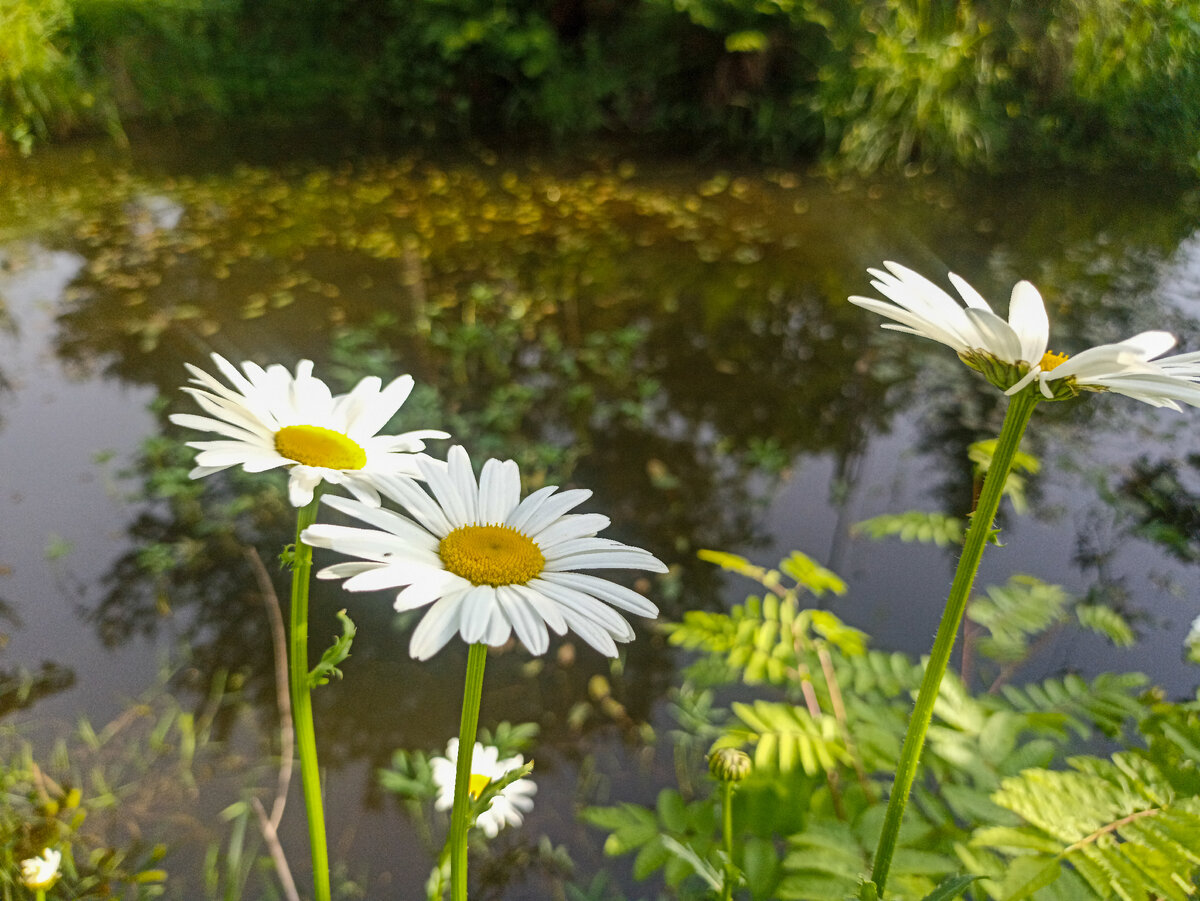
(508, 807)
(1128, 367)
(271, 418)
(981, 338)
(1013, 354)
(40, 873)
(490, 563)
(1191, 643)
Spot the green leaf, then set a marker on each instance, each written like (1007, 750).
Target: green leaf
(1106, 621)
(700, 867)
(812, 575)
(336, 653)
(1022, 609)
(914, 525)
(950, 888)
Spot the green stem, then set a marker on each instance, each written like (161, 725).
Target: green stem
(1020, 409)
(472, 695)
(302, 714)
(40, 894)
(727, 838)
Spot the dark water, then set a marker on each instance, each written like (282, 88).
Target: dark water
(674, 337)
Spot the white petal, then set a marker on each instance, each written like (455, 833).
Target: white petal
(611, 592)
(499, 490)
(568, 528)
(302, 482)
(549, 508)
(529, 626)
(454, 487)
(400, 526)
(1027, 316)
(436, 627)
(417, 501)
(428, 589)
(345, 570)
(477, 609)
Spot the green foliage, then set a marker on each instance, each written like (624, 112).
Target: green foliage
(914, 525)
(1107, 622)
(1013, 613)
(688, 825)
(862, 85)
(994, 815)
(1106, 703)
(786, 738)
(43, 90)
(327, 667)
(1118, 823)
(102, 794)
(767, 639)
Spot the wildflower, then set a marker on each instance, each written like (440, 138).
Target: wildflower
(1013, 355)
(489, 562)
(271, 418)
(1128, 367)
(1191, 643)
(40, 873)
(508, 806)
(981, 338)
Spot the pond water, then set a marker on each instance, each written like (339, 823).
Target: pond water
(674, 336)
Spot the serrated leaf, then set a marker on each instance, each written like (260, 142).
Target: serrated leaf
(336, 653)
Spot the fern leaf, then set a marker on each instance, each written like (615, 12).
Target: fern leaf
(914, 525)
(812, 575)
(1022, 609)
(1108, 622)
(1106, 703)
(768, 578)
(787, 738)
(1118, 823)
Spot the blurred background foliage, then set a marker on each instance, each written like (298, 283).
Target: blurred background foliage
(998, 84)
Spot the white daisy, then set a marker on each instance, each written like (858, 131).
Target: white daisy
(1191, 643)
(1014, 354)
(978, 335)
(40, 873)
(489, 562)
(508, 807)
(270, 418)
(1128, 367)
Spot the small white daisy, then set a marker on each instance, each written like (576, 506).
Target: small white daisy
(489, 562)
(1191, 642)
(271, 418)
(39, 873)
(508, 808)
(1013, 354)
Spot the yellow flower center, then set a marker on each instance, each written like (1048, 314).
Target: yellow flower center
(477, 784)
(1051, 360)
(491, 555)
(316, 446)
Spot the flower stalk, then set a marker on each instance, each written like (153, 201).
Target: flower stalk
(301, 694)
(727, 839)
(460, 814)
(1016, 418)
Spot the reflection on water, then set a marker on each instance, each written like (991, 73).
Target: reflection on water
(676, 340)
